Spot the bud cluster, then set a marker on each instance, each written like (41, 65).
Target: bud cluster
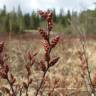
(48, 17)
(86, 72)
(42, 65)
(17, 89)
(5, 72)
(31, 58)
(48, 44)
(31, 61)
(82, 58)
(54, 41)
(43, 33)
(4, 68)
(94, 80)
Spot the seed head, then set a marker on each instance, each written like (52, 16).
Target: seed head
(54, 41)
(54, 61)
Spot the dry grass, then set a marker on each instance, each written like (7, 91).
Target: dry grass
(67, 70)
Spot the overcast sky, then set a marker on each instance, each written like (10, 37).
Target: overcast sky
(28, 5)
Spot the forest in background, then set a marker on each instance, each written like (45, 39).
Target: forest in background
(17, 22)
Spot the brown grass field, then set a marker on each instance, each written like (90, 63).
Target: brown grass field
(67, 70)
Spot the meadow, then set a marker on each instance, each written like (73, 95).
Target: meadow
(47, 63)
(67, 70)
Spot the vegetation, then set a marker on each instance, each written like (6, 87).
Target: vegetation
(82, 24)
(18, 22)
(44, 64)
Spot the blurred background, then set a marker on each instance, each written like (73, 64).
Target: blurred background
(19, 23)
(20, 16)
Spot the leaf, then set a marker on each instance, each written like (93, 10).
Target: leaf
(5, 89)
(54, 61)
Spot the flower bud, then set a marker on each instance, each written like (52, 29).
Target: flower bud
(54, 41)
(1, 60)
(54, 61)
(94, 79)
(1, 46)
(30, 81)
(32, 62)
(3, 74)
(5, 89)
(44, 34)
(25, 85)
(46, 46)
(42, 66)
(30, 56)
(6, 68)
(13, 79)
(50, 25)
(47, 57)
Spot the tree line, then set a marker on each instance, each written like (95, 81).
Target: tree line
(18, 22)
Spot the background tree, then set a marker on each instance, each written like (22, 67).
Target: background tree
(27, 21)
(20, 21)
(35, 21)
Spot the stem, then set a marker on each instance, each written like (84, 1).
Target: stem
(89, 75)
(11, 87)
(27, 92)
(47, 61)
(51, 92)
(84, 49)
(86, 86)
(20, 92)
(28, 85)
(41, 82)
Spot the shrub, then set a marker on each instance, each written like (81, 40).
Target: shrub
(15, 89)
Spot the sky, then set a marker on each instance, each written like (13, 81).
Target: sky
(29, 5)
